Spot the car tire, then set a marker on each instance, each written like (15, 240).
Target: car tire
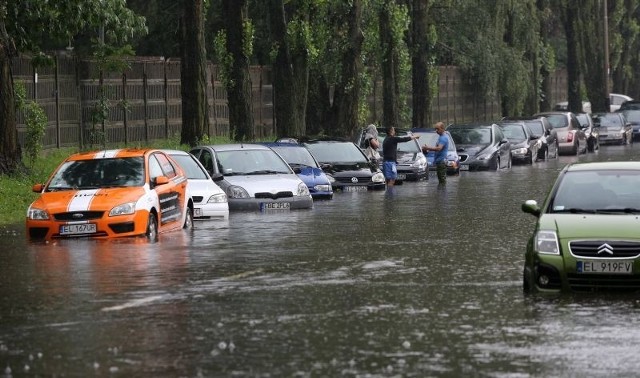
(188, 219)
(526, 286)
(152, 228)
(576, 149)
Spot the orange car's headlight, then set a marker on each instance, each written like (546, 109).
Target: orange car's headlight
(37, 214)
(124, 209)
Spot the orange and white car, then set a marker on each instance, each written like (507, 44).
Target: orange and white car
(111, 193)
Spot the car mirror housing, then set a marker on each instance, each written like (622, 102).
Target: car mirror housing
(217, 177)
(161, 180)
(531, 207)
(37, 188)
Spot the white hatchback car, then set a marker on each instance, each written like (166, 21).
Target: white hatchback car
(210, 202)
(255, 177)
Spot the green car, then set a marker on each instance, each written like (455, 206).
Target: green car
(587, 237)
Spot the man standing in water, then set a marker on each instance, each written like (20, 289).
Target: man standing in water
(390, 154)
(441, 148)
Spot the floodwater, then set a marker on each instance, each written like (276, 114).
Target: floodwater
(418, 281)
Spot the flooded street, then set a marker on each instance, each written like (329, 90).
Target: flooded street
(417, 281)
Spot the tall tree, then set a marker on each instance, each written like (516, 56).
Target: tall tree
(423, 74)
(391, 36)
(624, 42)
(569, 13)
(22, 31)
(239, 39)
(348, 91)
(193, 73)
(290, 35)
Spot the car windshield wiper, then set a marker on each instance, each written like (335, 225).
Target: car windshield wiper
(60, 188)
(575, 210)
(264, 172)
(626, 210)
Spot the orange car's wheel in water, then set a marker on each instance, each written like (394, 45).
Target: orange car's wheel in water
(152, 228)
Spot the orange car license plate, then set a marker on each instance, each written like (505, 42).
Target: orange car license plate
(78, 229)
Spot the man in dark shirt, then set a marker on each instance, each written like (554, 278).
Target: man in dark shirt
(390, 154)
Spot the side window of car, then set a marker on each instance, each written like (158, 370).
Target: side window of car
(207, 161)
(154, 168)
(499, 135)
(167, 168)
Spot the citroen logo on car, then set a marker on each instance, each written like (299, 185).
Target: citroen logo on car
(605, 248)
(354, 180)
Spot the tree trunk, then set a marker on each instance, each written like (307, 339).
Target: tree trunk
(239, 85)
(590, 31)
(347, 92)
(573, 61)
(420, 67)
(390, 108)
(10, 155)
(193, 74)
(290, 75)
(544, 103)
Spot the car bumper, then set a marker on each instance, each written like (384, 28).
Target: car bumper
(410, 174)
(610, 139)
(566, 148)
(476, 165)
(321, 194)
(211, 211)
(261, 204)
(105, 227)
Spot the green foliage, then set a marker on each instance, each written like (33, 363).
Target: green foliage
(35, 120)
(224, 58)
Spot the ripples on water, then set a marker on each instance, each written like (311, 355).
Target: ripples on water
(419, 281)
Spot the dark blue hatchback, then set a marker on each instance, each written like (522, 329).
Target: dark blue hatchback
(306, 167)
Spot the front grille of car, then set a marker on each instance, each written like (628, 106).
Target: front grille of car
(463, 157)
(78, 215)
(197, 199)
(603, 282)
(274, 196)
(350, 181)
(605, 249)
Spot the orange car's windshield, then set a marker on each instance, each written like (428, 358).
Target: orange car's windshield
(98, 173)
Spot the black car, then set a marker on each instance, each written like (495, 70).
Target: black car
(524, 145)
(412, 163)
(347, 166)
(633, 117)
(541, 128)
(481, 146)
(590, 131)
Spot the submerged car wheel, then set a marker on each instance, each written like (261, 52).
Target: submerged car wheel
(188, 219)
(152, 228)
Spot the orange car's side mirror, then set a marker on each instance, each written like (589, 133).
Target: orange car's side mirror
(37, 188)
(161, 180)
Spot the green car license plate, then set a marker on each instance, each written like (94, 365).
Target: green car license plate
(605, 266)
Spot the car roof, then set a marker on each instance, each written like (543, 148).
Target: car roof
(604, 165)
(235, 147)
(114, 153)
(473, 125)
(281, 144)
(174, 152)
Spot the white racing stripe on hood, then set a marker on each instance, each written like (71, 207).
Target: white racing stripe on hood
(81, 201)
(106, 154)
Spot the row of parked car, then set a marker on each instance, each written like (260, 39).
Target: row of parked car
(146, 191)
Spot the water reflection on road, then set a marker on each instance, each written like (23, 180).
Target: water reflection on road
(420, 280)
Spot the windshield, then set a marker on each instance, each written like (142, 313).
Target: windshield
(598, 191)
(514, 132)
(336, 152)
(632, 115)
(469, 135)
(409, 146)
(98, 173)
(296, 156)
(536, 127)
(610, 121)
(190, 167)
(247, 161)
(558, 121)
